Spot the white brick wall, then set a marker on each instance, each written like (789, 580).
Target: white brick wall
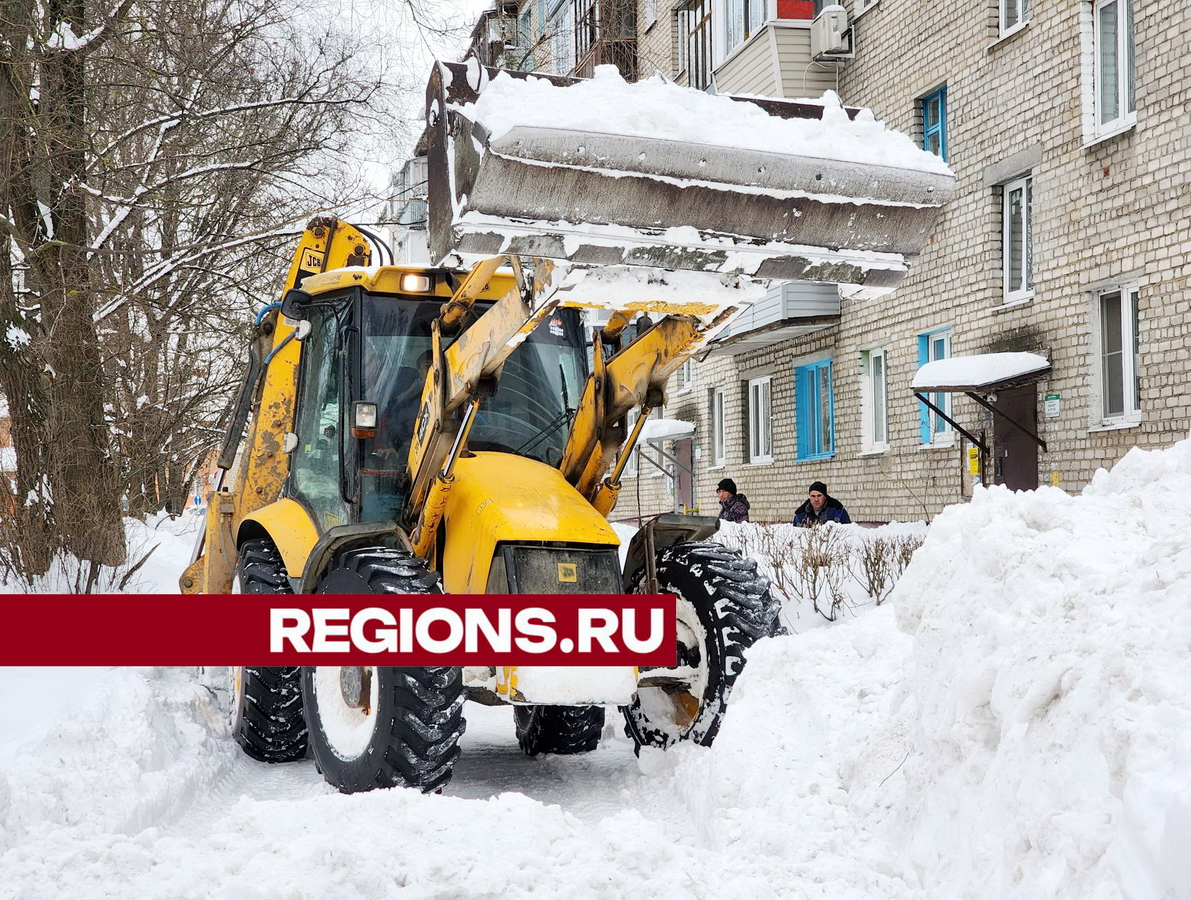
(1115, 211)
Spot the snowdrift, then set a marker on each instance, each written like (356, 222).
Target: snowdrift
(1027, 735)
(1015, 722)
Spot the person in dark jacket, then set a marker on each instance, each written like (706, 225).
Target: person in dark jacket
(734, 507)
(819, 508)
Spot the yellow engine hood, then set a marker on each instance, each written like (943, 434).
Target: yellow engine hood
(500, 497)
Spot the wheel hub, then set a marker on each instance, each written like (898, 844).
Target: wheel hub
(355, 684)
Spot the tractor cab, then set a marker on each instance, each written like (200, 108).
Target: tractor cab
(365, 357)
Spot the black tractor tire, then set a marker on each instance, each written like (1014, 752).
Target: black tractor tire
(558, 729)
(266, 705)
(724, 607)
(406, 734)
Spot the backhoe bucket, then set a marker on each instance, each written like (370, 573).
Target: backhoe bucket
(530, 165)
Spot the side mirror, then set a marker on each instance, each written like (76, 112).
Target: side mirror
(294, 303)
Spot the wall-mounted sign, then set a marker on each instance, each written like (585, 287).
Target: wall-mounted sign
(1051, 406)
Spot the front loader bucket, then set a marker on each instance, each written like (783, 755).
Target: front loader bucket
(507, 176)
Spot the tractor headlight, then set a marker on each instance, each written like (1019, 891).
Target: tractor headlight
(415, 284)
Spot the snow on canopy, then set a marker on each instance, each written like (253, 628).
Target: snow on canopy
(666, 429)
(980, 370)
(658, 108)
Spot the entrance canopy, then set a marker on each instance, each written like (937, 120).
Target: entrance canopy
(980, 376)
(981, 372)
(656, 431)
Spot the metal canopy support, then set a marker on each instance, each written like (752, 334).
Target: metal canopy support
(950, 421)
(678, 465)
(1020, 427)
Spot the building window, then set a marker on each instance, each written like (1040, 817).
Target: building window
(562, 39)
(1015, 237)
(587, 26)
(760, 421)
(814, 410)
(1117, 318)
(694, 38)
(526, 36)
(874, 395)
(933, 428)
(632, 467)
(650, 13)
(1112, 39)
(1015, 14)
(934, 122)
(719, 453)
(744, 19)
(684, 377)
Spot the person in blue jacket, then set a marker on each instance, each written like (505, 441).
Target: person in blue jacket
(819, 508)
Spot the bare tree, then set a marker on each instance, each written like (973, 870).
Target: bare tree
(159, 154)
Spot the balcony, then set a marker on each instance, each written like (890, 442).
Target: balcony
(776, 62)
(788, 311)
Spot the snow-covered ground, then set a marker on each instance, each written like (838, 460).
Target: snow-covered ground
(1014, 722)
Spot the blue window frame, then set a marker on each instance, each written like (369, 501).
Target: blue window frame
(815, 410)
(934, 122)
(932, 427)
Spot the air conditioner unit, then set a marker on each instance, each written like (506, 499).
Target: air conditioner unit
(830, 35)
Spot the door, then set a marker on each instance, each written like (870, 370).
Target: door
(684, 496)
(1015, 453)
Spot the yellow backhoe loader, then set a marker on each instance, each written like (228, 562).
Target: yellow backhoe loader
(446, 429)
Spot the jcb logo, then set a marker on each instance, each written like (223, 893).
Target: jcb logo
(568, 573)
(312, 259)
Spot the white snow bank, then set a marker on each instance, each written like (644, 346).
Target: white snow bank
(1048, 707)
(116, 751)
(666, 429)
(167, 543)
(661, 109)
(795, 776)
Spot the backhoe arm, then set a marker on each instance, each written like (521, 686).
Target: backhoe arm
(460, 377)
(634, 377)
(269, 394)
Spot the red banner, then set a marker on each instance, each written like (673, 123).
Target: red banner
(381, 629)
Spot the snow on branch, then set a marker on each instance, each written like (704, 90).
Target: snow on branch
(64, 39)
(169, 266)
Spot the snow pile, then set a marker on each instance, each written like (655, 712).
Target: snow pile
(1029, 735)
(659, 290)
(658, 108)
(158, 550)
(795, 778)
(1015, 722)
(1049, 702)
(89, 753)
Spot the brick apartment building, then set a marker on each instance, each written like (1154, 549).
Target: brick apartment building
(1065, 124)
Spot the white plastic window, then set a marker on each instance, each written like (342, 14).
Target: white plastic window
(1017, 264)
(1112, 36)
(760, 421)
(1015, 14)
(1117, 319)
(874, 392)
(719, 454)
